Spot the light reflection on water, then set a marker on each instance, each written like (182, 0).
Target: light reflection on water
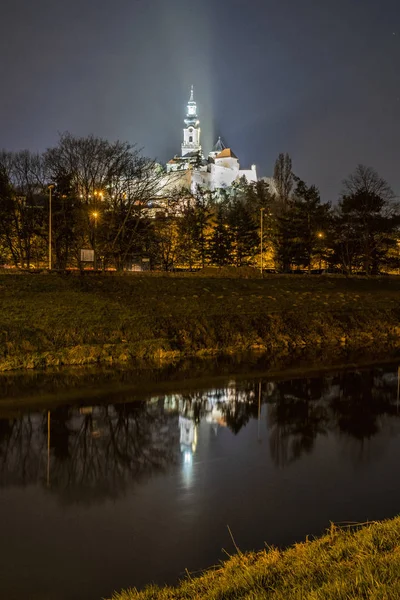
(107, 496)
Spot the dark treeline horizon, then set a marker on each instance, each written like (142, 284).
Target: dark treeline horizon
(108, 198)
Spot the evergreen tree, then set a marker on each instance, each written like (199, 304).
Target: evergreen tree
(245, 237)
(257, 195)
(260, 203)
(283, 241)
(301, 228)
(66, 218)
(311, 219)
(187, 225)
(220, 243)
(202, 204)
(367, 222)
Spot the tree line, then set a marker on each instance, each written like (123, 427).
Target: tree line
(108, 198)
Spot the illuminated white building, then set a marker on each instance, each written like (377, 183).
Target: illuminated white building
(191, 169)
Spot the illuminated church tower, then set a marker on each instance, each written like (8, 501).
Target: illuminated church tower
(192, 170)
(191, 133)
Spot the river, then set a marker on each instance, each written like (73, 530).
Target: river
(108, 486)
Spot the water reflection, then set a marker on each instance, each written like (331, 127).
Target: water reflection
(95, 452)
(355, 404)
(91, 453)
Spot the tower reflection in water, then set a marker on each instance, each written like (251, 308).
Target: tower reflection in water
(211, 408)
(90, 453)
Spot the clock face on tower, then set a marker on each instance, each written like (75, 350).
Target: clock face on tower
(192, 110)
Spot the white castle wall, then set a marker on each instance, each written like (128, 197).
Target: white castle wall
(219, 176)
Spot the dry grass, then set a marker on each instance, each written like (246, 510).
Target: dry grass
(345, 564)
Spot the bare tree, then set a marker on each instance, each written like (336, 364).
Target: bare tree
(366, 180)
(127, 204)
(111, 186)
(367, 220)
(22, 204)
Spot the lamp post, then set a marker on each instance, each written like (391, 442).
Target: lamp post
(95, 214)
(261, 238)
(320, 237)
(98, 195)
(51, 187)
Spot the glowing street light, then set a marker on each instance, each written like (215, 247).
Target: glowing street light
(320, 235)
(97, 195)
(95, 215)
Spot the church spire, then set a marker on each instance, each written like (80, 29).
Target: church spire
(191, 132)
(191, 113)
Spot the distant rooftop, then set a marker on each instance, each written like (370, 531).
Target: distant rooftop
(219, 146)
(227, 153)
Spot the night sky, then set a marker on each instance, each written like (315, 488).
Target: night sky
(317, 79)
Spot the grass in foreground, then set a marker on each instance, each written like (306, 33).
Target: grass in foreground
(344, 564)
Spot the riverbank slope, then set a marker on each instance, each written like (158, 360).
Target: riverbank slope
(48, 320)
(343, 564)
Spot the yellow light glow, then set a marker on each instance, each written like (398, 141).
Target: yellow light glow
(95, 215)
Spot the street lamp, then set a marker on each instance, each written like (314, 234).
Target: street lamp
(98, 195)
(261, 238)
(95, 215)
(320, 235)
(50, 188)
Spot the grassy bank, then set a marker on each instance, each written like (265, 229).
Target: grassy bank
(345, 564)
(54, 320)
